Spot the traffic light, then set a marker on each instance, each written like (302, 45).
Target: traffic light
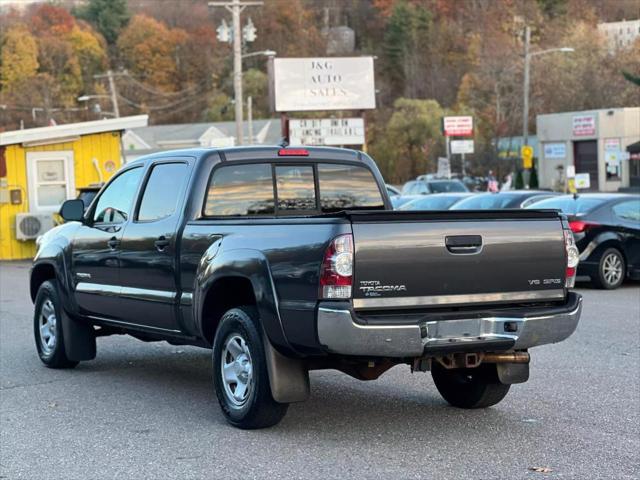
(223, 32)
(249, 32)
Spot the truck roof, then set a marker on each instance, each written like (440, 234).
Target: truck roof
(263, 152)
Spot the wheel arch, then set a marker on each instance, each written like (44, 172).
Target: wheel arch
(230, 278)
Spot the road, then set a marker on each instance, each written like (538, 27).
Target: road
(147, 410)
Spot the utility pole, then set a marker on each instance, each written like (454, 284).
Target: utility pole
(525, 109)
(250, 118)
(113, 93)
(236, 7)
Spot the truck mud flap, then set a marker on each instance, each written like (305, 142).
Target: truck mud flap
(288, 377)
(79, 339)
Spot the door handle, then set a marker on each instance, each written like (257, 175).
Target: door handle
(113, 243)
(161, 243)
(463, 244)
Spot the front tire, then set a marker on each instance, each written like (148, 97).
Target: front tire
(47, 327)
(611, 270)
(469, 387)
(240, 375)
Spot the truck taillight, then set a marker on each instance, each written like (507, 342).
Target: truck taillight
(336, 273)
(573, 257)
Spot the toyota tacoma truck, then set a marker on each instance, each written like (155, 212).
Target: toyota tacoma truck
(284, 260)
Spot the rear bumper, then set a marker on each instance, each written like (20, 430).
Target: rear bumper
(340, 333)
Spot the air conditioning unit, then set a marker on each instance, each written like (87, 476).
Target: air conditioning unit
(31, 225)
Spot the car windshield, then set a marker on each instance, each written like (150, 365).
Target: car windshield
(484, 202)
(569, 205)
(444, 186)
(431, 202)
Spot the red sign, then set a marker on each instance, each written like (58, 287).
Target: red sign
(458, 126)
(584, 125)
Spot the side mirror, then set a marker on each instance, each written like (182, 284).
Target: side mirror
(73, 210)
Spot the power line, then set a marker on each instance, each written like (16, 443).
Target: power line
(153, 91)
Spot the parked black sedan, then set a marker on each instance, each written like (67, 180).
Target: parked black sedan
(606, 228)
(500, 200)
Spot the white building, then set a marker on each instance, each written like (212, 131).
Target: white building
(620, 35)
(595, 142)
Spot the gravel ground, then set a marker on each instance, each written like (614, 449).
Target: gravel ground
(147, 410)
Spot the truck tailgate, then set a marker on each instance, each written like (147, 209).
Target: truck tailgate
(454, 258)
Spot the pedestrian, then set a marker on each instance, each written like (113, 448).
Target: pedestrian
(492, 183)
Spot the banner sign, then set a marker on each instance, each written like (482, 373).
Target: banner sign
(555, 150)
(331, 83)
(584, 125)
(458, 126)
(461, 146)
(326, 131)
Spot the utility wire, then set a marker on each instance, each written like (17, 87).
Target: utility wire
(153, 91)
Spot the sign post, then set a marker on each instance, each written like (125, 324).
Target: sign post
(459, 126)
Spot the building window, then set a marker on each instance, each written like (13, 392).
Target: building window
(50, 176)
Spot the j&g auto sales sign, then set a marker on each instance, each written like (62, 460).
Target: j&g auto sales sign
(336, 83)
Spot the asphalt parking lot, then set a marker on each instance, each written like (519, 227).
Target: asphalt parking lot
(147, 410)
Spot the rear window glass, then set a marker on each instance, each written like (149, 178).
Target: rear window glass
(347, 187)
(569, 205)
(431, 203)
(483, 202)
(241, 190)
(628, 210)
(443, 187)
(296, 188)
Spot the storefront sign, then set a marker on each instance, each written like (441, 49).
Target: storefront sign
(583, 180)
(334, 83)
(461, 146)
(555, 150)
(612, 145)
(458, 126)
(584, 125)
(326, 131)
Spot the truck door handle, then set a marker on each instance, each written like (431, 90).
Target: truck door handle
(113, 243)
(463, 244)
(161, 243)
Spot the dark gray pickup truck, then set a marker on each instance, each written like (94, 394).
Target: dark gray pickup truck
(286, 260)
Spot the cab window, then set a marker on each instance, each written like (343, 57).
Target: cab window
(116, 202)
(161, 194)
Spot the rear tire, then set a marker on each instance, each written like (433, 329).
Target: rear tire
(469, 387)
(47, 327)
(240, 375)
(611, 270)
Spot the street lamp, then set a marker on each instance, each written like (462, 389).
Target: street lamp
(527, 65)
(266, 53)
(96, 109)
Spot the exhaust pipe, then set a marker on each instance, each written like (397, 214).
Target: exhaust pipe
(509, 357)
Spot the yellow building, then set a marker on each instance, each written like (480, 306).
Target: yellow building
(42, 167)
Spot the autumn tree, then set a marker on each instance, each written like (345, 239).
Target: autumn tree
(148, 50)
(19, 57)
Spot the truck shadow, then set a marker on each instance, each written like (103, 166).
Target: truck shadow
(339, 405)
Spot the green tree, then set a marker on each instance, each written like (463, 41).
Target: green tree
(19, 57)
(409, 144)
(108, 16)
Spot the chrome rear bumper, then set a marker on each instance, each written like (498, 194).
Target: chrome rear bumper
(340, 333)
